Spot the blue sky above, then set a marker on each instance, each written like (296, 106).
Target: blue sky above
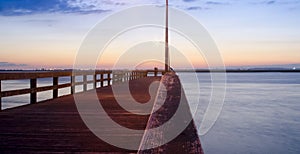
(39, 29)
(29, 7)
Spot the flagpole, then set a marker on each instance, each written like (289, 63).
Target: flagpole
(167, 61)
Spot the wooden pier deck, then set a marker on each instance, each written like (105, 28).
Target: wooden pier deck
(55, 126)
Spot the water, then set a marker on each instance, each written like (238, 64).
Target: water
(261, 111)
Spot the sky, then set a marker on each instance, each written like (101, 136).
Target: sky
(48, 33)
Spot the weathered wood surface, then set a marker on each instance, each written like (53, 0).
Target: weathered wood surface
(55, 126)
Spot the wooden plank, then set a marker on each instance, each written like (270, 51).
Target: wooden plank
(16, 92)
(35, 90)
(31, 75)
(47, 74)
(36, 74)
(56, 127)
(65, 85)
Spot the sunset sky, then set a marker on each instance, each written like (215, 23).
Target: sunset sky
(48, 33)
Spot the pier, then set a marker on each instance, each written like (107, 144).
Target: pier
(105, 78)
(55, 125)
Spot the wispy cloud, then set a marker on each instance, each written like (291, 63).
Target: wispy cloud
(194, 8)
(8, 64)
(270, 2)
(277, 2)
(189, 0)
(192, 5)
(216, 3)
(28, 7)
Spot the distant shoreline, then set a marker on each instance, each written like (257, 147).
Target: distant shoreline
(182, 70)
(240, 71)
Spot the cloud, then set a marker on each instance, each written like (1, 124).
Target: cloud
(216, 3)
(28, 7)
(270, 2)
(189, 0)
(277, 2)
(286, 2)
(8, 64)
(194, 8)
(40, 20)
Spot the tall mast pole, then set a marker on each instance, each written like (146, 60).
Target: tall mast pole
(167, 61)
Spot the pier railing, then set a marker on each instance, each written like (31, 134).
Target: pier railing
(105, 78)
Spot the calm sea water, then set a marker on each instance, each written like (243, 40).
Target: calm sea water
(261, 112)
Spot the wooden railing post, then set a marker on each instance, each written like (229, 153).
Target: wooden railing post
(108, 79)
(72, 84)
(125, 76)
(128, 76)
(95, 81)
(0, 97)
(55, 87)
(134, 75)
(121, 77)
(101, 78)
(33, 92)
(155, 71)
(84, 83)
(114, 78)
